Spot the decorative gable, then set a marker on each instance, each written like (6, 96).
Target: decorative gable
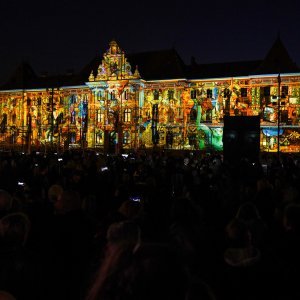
(114, 66)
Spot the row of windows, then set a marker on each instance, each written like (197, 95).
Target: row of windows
(156, 94)
(100, 115)
(100, 137)
(209, 93)
(264, 91)
(111, 95)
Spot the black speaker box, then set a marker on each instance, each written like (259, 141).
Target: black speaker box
(241, 138)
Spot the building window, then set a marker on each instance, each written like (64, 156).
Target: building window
(193, 94)
(126, 95)
(98, 95)
(126, 137)
(99, 137)
(73, 99)
(284, 91)
(112, 95)
(209, 93)
(100, 115)
(243, 92)
(179, 113)
(227, 93)
(73, 117)
(127, 115)
(170, 94)
(72, 137)
(266, 91)
(156, 95)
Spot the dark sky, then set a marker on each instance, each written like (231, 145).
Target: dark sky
(57, 35)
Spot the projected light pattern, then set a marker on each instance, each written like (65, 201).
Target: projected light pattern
(117, 109)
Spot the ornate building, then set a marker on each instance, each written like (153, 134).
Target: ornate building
(152, 99)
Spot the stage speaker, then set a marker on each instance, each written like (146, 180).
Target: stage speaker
(241, 138)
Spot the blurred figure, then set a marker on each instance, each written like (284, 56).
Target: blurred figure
(54, 192)
(6, 202)
(69, 247)
(67, 201)
(287, 248)
(249, 215)
(6, 296)
(18, 273)
(151, 271)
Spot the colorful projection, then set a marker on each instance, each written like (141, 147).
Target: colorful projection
(116, 109)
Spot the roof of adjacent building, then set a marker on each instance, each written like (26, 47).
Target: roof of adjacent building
(160, 65)
(24, 77)
(277, 60)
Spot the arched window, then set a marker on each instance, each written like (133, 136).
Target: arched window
(98, 95)
(127, 115)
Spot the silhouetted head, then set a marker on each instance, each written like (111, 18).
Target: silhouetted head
(14, 229)
(291, 217)
(68, 201)
(6, 296)
(5, 201)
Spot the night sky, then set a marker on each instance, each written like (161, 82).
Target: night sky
(59, 35)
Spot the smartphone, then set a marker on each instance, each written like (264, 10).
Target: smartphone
(20, 183)
(60, 159)
(135, 198)
(104, 169)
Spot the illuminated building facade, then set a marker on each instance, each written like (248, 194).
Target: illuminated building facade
(151, 99)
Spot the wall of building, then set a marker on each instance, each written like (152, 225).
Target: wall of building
(117, 110)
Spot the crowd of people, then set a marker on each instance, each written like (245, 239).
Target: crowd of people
(83, 225)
